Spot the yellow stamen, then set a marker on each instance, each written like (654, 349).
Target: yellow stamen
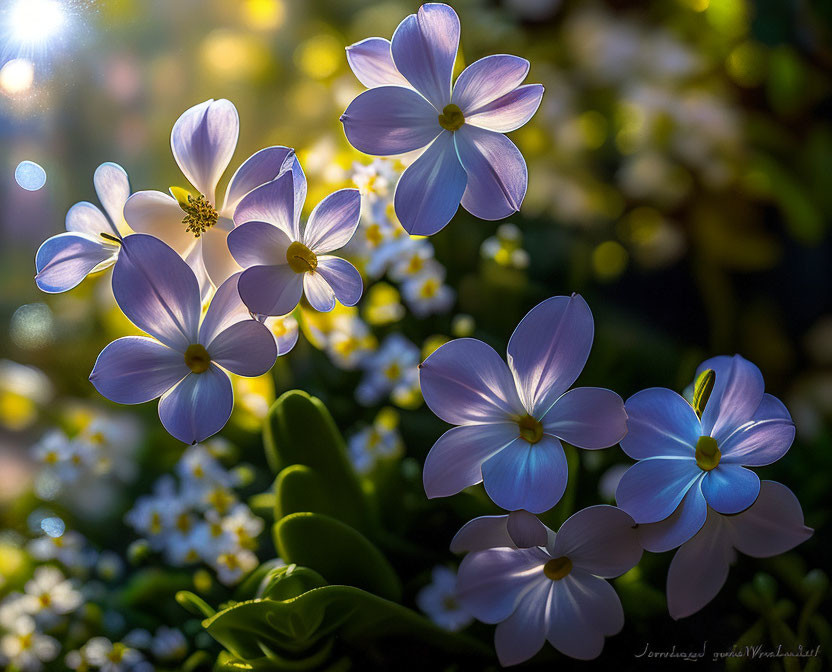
(558, 568)
(451, 118)
(200, 215)
(707, 453)
(429, 288)
(301, 259)
(530, 429)
(197, 358)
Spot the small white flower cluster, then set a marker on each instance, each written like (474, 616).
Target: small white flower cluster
(99, 653)
(391, 370)
(506, 247)
(201, 520)
(377, 442)
(439, 601)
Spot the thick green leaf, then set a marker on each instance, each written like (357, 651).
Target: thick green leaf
(338, 552)
(298, 488)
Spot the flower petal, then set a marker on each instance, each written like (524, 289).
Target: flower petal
(390, 120)
(203, 141)
(599, 539)
(216, 258)
(523, 634)
(651, 490)
(482, 533)
(465, 381)
(496, 170)
(430, 189)
(333, 221)
(548, 350)
(258, 169)
(771, 525)
(318, 292)
(679, 526)
(271, 290)
(487, 80)
(699, 569)
(660, 423)
(64, 260)
(246, 348)
(527, 476)
(197, 407)
(764, 439)
(113, 189)
(157, 291)
(372, 63)
(490, 582)
(226, 308)
(342, 277)
(526, 530)
(258, 244)
(284, 328)
(424, 49)
(273, 203)
(455, 461)
(135, 369)
(299, 186)
(160, 216)
(587, 417)
(84, 217)
(730, 488)
(738, 391)
(509, 112)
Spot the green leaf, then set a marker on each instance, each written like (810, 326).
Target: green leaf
(195, 604)
(340, 553)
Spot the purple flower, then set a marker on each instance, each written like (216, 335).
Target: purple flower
(91, 242)
(695, 456)
(186, 363)
(284, 261)
(554, 590)
(512, 418)
(196, 225)
(773, 524)
(410, 105)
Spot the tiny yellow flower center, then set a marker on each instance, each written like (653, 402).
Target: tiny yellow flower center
(300, 258)
(429, 288)
(451, 118)
(374, 235)
(45, 600)
(229, 560)
(51, 457)
(558, 568)
(707, 453)
(197, 358)
(530, 429)
(183, 523)
(155, 523)
(116, 653)
(200, 215)
(25, 641)
(393, 371)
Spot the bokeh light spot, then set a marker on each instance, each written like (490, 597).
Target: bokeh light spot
(32, 326)
(53, 526)
(17, 76)
(319, 56)
(30, 175)
(264, 14)
(609, 260)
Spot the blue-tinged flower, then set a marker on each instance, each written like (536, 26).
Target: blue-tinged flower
(186, 361)
(549, 588)
(439, 601)
(196, 225)
(512, 418)
(392, 369)
(410, 105)
(773, 524)
(427, 294)
(91, 242)
(283, 260)
(692, 456)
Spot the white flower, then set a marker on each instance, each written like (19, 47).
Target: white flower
(49, 593)
(233, 563)
(426, 294)
(410, 257)
(25, 648)
(109, 656)
(169, 644)
(349, 341)
(243, 526)
(68, 549)
(200, 473)
(438, 600)
(376, 442)
(393, 369)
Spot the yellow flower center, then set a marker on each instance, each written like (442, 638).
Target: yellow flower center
(197, 358)
(558, 568)
(393, 371)
(300, 258)
(45, 600)
(200, 215)
(451, 118)
(530, 429)
(707, 453)
(429, 288)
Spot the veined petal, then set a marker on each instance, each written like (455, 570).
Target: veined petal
(64, 260)
(738, 391)
(372, 63)
(523, 634)
(135, 369)
(203, 141)
(273, 203)
(318, 292)
(548, 350)
(430, 189)
(496, 170)
(113, 189)
(157, 291)
(527, 476)
(300, 188)
(587, 417)
(651, 490)
(258, 244)
(660, 423)
(333, 221)
(218, 262)
(762, 440)
(226, 308)
(342, 277)
(84, 217)
(424, 48)
(390, 120)
(599, 539)
(260, 168)
(487, 80)
(482, 533)
(160, 216)
(679, 526)
(246, 348)
(465, 381)
(197, 407)
(508, 112)
(271, 290)
(455, 461)
(730, 488)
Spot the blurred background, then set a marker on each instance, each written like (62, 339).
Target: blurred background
(680, 179)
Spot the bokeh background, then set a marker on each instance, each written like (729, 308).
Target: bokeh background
(680, 179)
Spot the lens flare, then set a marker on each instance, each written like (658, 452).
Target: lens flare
(35, 21)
